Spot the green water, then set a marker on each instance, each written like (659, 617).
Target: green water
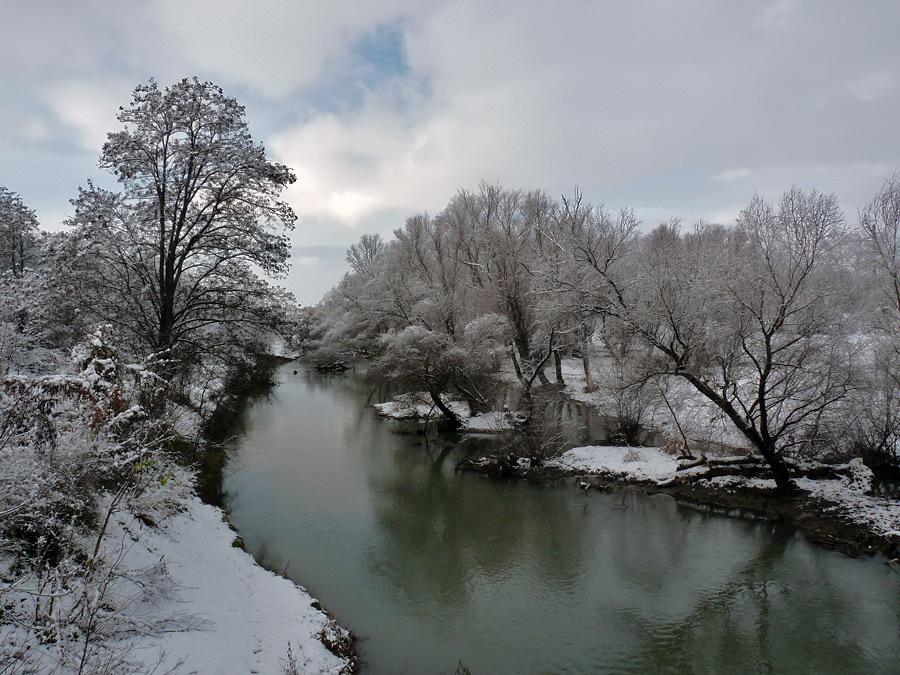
(430, 566)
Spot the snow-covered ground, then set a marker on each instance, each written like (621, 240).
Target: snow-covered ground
(183, 599)
(418, 406)
(881, 514)
(635, 464)
(488, 423)
(230, 615)
(849, 497)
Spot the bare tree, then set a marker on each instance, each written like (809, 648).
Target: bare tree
(877, 436)
(592, 245)
(499, 231)
(880, 223)
(363, 255)
(173, 256)
(749, 316)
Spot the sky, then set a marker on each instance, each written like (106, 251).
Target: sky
(388, 108)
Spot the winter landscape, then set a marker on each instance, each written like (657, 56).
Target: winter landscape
(516, 345)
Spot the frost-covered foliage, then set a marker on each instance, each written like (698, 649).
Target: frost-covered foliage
(780, 327)
(42, 310)
(432, 361)
(74, 448)
(173, 259)
(18, 234)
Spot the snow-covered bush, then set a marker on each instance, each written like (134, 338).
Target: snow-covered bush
(74, 448)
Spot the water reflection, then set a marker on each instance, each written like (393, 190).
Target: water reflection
(432, 566)
(438, 536)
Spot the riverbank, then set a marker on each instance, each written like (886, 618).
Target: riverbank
(227, 612)
(838, 513)
(836, 506)
(129, 570)
(274, 625)
(217, 610)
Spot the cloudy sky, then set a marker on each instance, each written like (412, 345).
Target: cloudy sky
(386, 108)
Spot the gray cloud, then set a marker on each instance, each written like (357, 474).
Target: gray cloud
(388, 108)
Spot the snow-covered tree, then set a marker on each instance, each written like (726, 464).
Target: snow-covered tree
(172, 258)
(18, 233)
(750, 317)
(421, 360)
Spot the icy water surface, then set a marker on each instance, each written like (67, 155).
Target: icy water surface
(432, 567)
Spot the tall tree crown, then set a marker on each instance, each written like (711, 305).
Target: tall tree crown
(174, 255)
(186, 155)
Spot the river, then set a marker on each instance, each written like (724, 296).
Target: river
(431, 567)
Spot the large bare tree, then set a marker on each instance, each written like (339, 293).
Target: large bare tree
(749, 316)
(174, 255)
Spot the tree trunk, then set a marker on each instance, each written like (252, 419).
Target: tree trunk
(557, 362)
(518, 368)
(449, 415)
(780, 471)
(586, 360)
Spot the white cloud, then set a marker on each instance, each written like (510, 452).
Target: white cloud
(273, 46)
(778, 14)
(35, 129)
(674, 108)
(89, 108)
(531, 98)
(349, 206)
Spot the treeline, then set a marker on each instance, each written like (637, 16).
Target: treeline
(785, 322)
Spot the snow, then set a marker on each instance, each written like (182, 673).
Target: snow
(639, 464)
(417, 406)
(732, 482)
(848, 498)
(185, 600)
(492, 422)
(231, 616)
(881, 514)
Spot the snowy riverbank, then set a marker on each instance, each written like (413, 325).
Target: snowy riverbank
(836, 504)
(233, 615)
(842, 512)
(175, 595)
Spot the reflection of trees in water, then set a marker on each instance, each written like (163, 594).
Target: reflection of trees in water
(354, 384)
(355, 381)
(727, 621)
(748, 603)
(631, 581)
(442, 534)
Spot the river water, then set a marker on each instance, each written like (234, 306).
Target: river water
(431, 567)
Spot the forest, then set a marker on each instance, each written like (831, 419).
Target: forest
(781, 328)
